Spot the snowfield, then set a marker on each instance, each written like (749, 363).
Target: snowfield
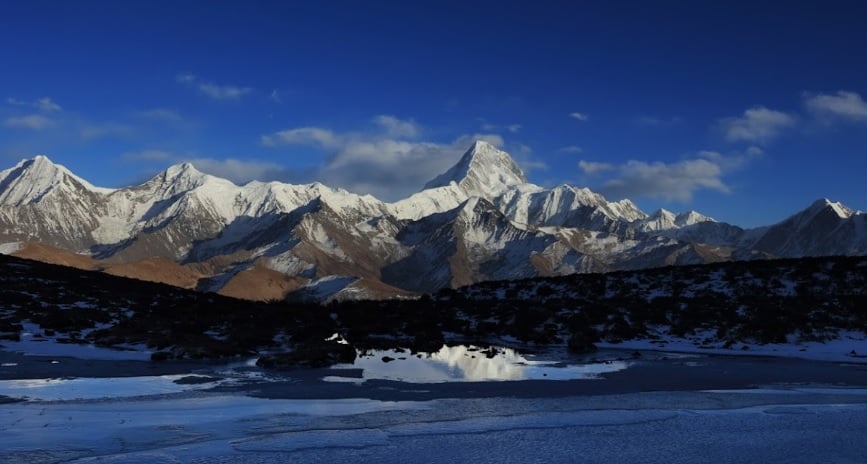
(785, 427)
(656, 408)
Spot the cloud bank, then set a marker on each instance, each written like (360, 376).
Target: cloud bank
(212, 90)
(677, 181)
(848, 106)
(388, 162)
(756, 125)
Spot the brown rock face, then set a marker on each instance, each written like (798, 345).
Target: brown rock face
(157, 270)
(53, 255)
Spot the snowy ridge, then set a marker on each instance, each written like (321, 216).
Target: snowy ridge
(480, 220)
(666, 220)
(824, 228)
(483, 171)
(32, 179)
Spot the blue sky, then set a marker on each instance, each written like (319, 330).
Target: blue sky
(745, 111)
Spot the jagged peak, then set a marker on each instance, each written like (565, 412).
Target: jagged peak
(483, 170)
(42, 159)
(662, 213)
(185, 169)
(31, 179)
(472, 203)
(40, 163)
(841, 210)
(183, 176)
(662, 219)
(692, 217)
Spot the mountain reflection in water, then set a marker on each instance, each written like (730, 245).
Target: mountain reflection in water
(467, 364)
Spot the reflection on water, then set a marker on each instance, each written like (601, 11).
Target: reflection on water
(468, 364)
(92, 388)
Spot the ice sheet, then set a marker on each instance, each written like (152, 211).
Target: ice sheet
(239, 429)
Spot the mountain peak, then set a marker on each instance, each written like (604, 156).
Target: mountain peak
(692, 217)
(663, 214)
(41, 159)
(484, 171)
(181, 177)
(31, 179)
(182, 169)
(838, 208)
(183, 173)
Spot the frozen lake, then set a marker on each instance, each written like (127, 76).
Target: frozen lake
(458, 405)
(785, 427)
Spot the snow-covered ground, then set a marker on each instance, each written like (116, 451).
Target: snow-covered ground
(34, 342)
(457, 405)
(848, 346)
(769, 427)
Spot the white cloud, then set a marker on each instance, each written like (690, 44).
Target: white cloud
(571, 149)
(161, 114)
(212, 90)
(186, 78)
(224, 92)
(275, 96)
(391, 169)
(302, 136)
(579, 116)
(676, 181)
(844, 105)
(32, 121)
(511, 128)
(755, 151)
(240, 171)
(395, 127)
(235, 170)
(757, 125)
(654, 121)
(389, 164)
(593, 167)
(90, 131)
(44, 104)
(47, 105)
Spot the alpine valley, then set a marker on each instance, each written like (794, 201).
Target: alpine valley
(479, 221)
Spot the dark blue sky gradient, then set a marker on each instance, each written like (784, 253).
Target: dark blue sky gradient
(659, 82)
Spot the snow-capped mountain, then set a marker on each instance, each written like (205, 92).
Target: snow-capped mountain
(480, 220)
(825, 228)
(484, 171)
(666, 220)
(44, 202)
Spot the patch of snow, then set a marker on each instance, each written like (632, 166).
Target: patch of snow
(338, 338)
(33, 342)
(9, 248)
(840, 349)
(83, 388)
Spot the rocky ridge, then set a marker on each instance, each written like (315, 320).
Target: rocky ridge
(480, 220)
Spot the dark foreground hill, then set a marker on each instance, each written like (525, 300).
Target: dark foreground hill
(725, 304)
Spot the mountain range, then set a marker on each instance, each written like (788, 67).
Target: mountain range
(481, 220)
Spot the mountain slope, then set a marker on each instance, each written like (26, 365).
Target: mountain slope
(484, 171)
(480, 220)
(824, 228)
(44, 202)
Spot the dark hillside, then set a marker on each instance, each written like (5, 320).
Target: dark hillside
(725, 304)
